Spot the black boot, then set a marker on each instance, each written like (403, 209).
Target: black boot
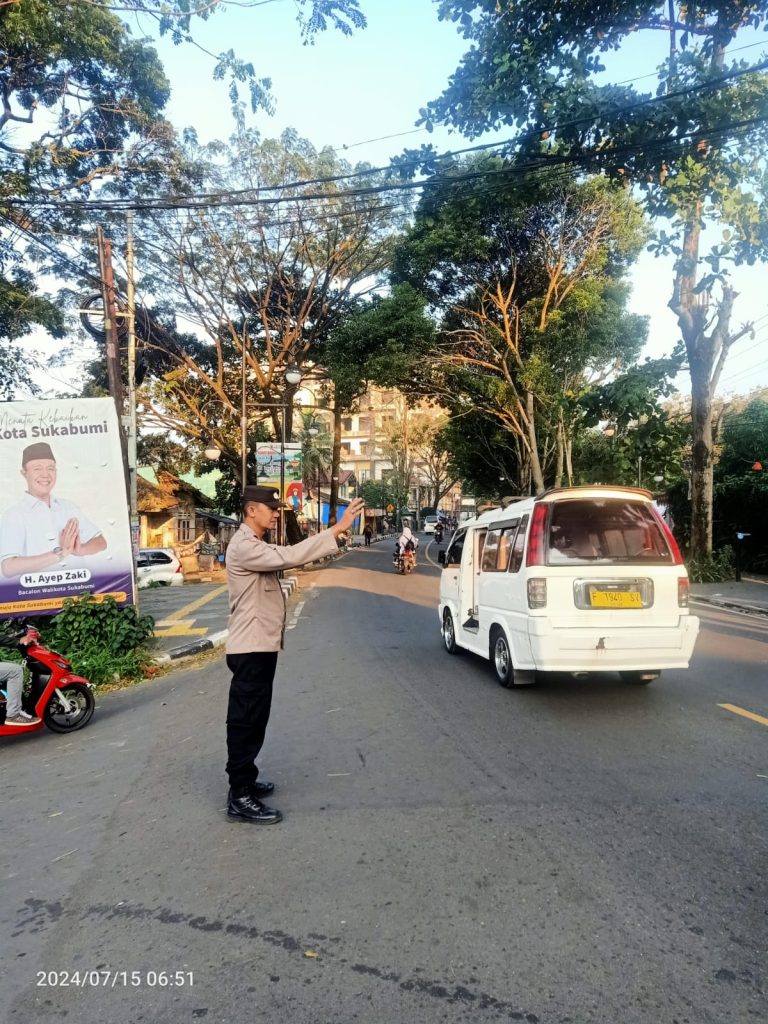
(246, 807)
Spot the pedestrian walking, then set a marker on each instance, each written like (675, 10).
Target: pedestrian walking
(256, 635)
(368, 533)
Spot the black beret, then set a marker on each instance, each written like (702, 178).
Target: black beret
(264, 495)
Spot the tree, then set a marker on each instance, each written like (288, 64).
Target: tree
(81, 102)
(21, 308)
(435, 458)
(646, 434)
(527, 281)
(693, 151)
(382, 341)
(741, 480)
(482, 454)
(261, 289)
(81, 106)
(316, 452)
(162, 453)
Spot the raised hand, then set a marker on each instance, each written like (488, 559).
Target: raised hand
(351, 513)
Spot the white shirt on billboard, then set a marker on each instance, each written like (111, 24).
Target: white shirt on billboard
(32, 527)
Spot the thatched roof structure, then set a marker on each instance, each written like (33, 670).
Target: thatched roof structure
(168, 493)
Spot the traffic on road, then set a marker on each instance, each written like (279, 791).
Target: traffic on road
(451, 850)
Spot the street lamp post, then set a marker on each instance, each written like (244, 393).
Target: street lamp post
(313, 430)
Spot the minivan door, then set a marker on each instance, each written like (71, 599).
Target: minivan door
(469, 584)
(450, 579)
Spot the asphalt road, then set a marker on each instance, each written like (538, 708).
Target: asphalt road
(572, 853)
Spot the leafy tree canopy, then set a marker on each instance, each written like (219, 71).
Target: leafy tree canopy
(694, 149)
(527, 284)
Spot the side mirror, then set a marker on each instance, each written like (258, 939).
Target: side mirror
(441, 557)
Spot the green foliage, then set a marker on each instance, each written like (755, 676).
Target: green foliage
(100, 638)
(162, 453)
(483, 455)
(745, 440)
(382, 342)
(297, 280)
(378, 494)
(316, 449)
(694, 151)
(741, 492)
(526, 283)
(715, 567)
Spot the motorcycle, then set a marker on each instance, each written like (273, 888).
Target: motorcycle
(439, 534)
(62, 700)
(407, 562)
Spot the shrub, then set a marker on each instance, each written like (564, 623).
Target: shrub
(715, 568)
(101, 639)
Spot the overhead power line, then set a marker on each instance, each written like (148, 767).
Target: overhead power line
(228, 198)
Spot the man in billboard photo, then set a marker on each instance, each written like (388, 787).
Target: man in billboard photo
(42, 531)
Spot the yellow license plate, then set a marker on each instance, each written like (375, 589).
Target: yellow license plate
(615, 599)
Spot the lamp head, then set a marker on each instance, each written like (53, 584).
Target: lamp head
(212, 452)
(292, 374)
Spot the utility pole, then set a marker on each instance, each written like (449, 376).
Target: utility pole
(243, 414)
(131, 413)
(114, 375)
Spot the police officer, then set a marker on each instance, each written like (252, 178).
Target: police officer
(256, 633)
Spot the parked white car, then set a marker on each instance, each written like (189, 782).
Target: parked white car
(158, 565)
(579, 580)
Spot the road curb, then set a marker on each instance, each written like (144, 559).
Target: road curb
(736, 606)
(195, 647)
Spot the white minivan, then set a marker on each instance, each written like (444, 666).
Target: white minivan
(578, 579)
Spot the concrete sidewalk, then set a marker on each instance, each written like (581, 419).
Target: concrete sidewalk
(749, 596)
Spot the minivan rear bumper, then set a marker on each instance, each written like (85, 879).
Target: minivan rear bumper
(612, 649)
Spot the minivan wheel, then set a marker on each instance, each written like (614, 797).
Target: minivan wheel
(639, 678)
(502, 659)
(449, 632)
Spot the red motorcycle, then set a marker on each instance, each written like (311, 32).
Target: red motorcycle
(63, 701)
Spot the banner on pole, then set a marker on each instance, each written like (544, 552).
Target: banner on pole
(64, 518)
(268, 459)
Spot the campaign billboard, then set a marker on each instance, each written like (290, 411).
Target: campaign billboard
(64, 522)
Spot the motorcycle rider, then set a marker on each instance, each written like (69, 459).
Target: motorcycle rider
(12, 675)
(407, 542)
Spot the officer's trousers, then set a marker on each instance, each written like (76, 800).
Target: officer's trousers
(250, 701)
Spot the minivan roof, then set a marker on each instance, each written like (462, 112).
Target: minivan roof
(524, 505)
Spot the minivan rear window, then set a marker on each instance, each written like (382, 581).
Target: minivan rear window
(590, 530)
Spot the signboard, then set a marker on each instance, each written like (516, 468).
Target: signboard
(268, 458)
(64, 525)
(294, 496)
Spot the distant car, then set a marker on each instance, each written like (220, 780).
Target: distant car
(158, 565)
(430, 522)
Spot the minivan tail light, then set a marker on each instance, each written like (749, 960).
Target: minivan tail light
(178, 567)
(683, 591)
(537, 592)
(677, 558)
(535, 554)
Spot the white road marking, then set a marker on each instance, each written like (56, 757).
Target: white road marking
(294, 621)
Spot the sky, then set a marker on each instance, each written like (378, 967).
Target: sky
(364, 91)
